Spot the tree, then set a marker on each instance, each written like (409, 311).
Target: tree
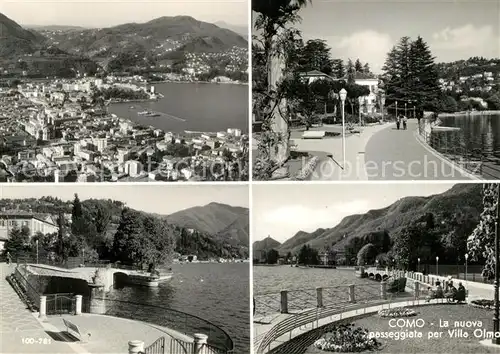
(405, 245)
(127, 245)
(315, 55)
(308, 256)
(367, 254)
(350, 71)
(273, 40)
(366, 68)
(18, 241)
(358, 66)
(481, 242)
(272, 256)
(305, 96)
(493, 101)
(425, 89)
(143, 240)
(77, 220)
(410, 76)
(338, 68)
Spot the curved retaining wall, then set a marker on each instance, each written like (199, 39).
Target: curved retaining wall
(298, 341)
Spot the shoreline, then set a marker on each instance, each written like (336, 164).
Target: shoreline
(468, 114)
(195, 82)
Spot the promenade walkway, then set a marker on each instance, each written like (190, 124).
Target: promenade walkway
(329, 150)
(393, 154)
(107, 334)
(18, 325)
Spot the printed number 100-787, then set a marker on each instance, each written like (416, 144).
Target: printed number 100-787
(36, 340)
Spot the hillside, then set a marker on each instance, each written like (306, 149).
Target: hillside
(265, 245)
(469, 67)
(224, 221)
(15, 40)
(241, 30)
(462, 198)
(219, 229)
(157, 37)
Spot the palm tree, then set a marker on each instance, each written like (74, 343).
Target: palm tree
(274, 17)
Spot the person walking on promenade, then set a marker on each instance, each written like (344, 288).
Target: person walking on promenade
(398, 122)
(9, 258)
(405, 122)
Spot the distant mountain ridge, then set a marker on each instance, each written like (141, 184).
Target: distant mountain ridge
(155, 36)
(224, 221)
(265, 245)
(15, 40)
(465, 198)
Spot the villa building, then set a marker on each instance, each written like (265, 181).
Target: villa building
(369, 102)
(314, 75)
(35, 222)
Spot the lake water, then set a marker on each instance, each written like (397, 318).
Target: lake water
(218, 293)
(192, 106)
(276, 278)
(479, 134)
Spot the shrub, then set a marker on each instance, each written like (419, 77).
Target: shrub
(397, 312)
(347, 339)
(397, 285)
(308, 169)
(483, 303)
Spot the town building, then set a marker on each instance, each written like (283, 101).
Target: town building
(43, 223)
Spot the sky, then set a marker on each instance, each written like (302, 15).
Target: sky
(280, 211)
(106, 13)
(368, 29)
(161, 199)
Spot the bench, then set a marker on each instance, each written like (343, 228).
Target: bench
(74, 330)
(309, 134)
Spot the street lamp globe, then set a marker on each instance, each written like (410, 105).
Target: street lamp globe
(466, 256)
(343, 94)
(437, 259)
(150, 152)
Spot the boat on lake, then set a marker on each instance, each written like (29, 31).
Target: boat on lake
(148, 280)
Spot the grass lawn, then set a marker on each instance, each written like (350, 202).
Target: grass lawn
(432, 315)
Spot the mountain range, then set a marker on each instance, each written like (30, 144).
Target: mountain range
(225, 222)
(462, 198)
(265, 245)
(158, 36)
(161, 35)
(221, 226)
(15, 40)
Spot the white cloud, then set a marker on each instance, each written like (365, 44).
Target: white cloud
(369, 46)
(468, 37)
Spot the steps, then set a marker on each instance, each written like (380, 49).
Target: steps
(22, 295)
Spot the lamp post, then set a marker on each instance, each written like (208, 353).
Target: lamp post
(418, 268)
(382, 100)
(360, 101)
(36, 251)
(414, 115)
(466, 258)
(343, 96)
(396, 109)
(437, 265)
(405, 109)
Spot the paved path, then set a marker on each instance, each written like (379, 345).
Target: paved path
(332, 168)
(393, 154)
(108, 334)
(19, 327)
